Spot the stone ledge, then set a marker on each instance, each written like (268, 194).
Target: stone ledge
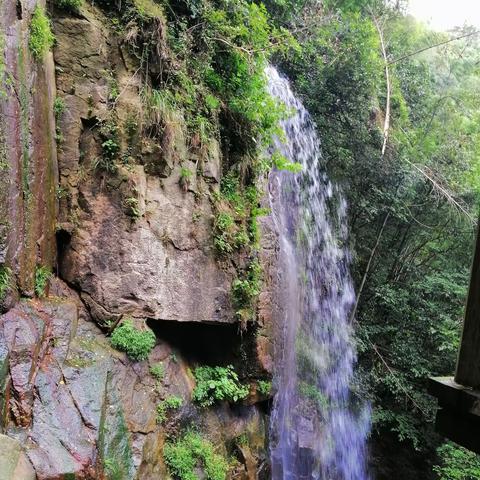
(458, 417)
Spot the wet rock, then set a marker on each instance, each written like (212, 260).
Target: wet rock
(28, 163)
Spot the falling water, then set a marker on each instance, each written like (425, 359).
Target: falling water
(318, 432)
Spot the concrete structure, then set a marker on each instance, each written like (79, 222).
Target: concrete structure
(458, 417)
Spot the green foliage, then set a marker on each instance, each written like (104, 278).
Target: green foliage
(170, 403)
(185, 178)
(235, 225)
(5, 281)
(282, 163)
(457, 463)
(190, 452)
(149, 9)
(69, 5)
(225, 230)
(110, 147)
(41, 37)
(217, 383)
(114, 470)
(157, 371)
(42, 276)
(264, 387)
(245, 290)
(136, 343)
(58, 107)
(411, 307)
(131, 205)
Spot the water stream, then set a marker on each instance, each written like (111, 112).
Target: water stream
(317, 430)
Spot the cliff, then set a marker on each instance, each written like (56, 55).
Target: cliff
(113, 202)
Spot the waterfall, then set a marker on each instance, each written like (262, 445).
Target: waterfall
(317, 430)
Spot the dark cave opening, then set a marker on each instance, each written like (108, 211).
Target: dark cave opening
(63, 239)
(210, 344)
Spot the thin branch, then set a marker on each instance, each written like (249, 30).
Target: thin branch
(386, 124)
(443, 191)
(399, 384)
(367, 268)
(408, 55)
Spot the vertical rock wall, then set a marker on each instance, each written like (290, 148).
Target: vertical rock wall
(28, 168)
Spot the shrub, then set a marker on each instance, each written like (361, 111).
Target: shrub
(170, 403)
(246, 290)
(157, 371)
(264, 387)
(136, 343)
(5, 281)
(190, 452)
(225, 231)
(69, 5)
(457, 463)
(217, 383)
(41, 37)
(58, 107)
(42, 275)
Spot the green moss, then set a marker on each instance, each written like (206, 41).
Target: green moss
(41, 37)
(114, 439)
(136, 343)
(312, 392)
(216, 384)
(170, 403)
(42, 276)
(190, 452)
(6, 278)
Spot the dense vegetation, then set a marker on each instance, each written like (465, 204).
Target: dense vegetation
(412, 205)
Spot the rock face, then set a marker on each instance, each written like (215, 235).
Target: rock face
(81, 405)
(157, 262)
(134, 239)
(28, 168)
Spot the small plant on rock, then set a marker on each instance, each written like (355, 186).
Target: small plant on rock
(41, 37)
(132, 208)
(42, 276)
(264, 387)
(170, 403)
(5, 281)
(58, 107)
(136, 343)
(217, 383)
(185, 178)
(157, 371)
(246, 290)
(192, 452)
